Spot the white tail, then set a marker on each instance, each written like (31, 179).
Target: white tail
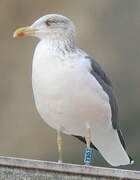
(110, 147)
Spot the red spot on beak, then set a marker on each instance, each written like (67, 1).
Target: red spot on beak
(20, 34)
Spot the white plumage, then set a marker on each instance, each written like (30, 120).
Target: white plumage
(67, 95)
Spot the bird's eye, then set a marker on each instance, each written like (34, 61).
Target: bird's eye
(48, 22)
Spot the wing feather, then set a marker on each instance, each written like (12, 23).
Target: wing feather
(102, 78)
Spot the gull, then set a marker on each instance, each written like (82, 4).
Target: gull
(72, 92)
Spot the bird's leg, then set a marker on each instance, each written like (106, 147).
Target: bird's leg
(59, 143)
(89, 151)
(88, 137)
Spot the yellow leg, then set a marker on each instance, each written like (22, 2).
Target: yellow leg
(59, 143)
(88, 137)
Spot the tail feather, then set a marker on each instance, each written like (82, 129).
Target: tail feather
(111, 148)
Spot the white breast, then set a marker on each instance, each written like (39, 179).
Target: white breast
(67, 96)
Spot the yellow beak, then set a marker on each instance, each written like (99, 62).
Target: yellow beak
(24, 31)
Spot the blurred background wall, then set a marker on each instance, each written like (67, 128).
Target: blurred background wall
(109, 30)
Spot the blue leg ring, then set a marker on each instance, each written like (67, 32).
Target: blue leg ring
(88, 155)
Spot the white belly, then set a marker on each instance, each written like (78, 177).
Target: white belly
(69, 98)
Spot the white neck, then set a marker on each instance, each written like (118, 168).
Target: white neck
(56, 46)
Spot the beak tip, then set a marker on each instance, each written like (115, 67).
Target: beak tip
(24, 31)
(14, 35)
(18, 34)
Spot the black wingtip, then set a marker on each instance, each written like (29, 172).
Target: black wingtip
(131, 160)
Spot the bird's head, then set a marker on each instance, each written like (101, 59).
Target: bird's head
(51, 27)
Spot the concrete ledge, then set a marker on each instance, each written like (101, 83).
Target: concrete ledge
(26, 169)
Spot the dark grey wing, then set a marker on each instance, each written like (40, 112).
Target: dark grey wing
(101, 77)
